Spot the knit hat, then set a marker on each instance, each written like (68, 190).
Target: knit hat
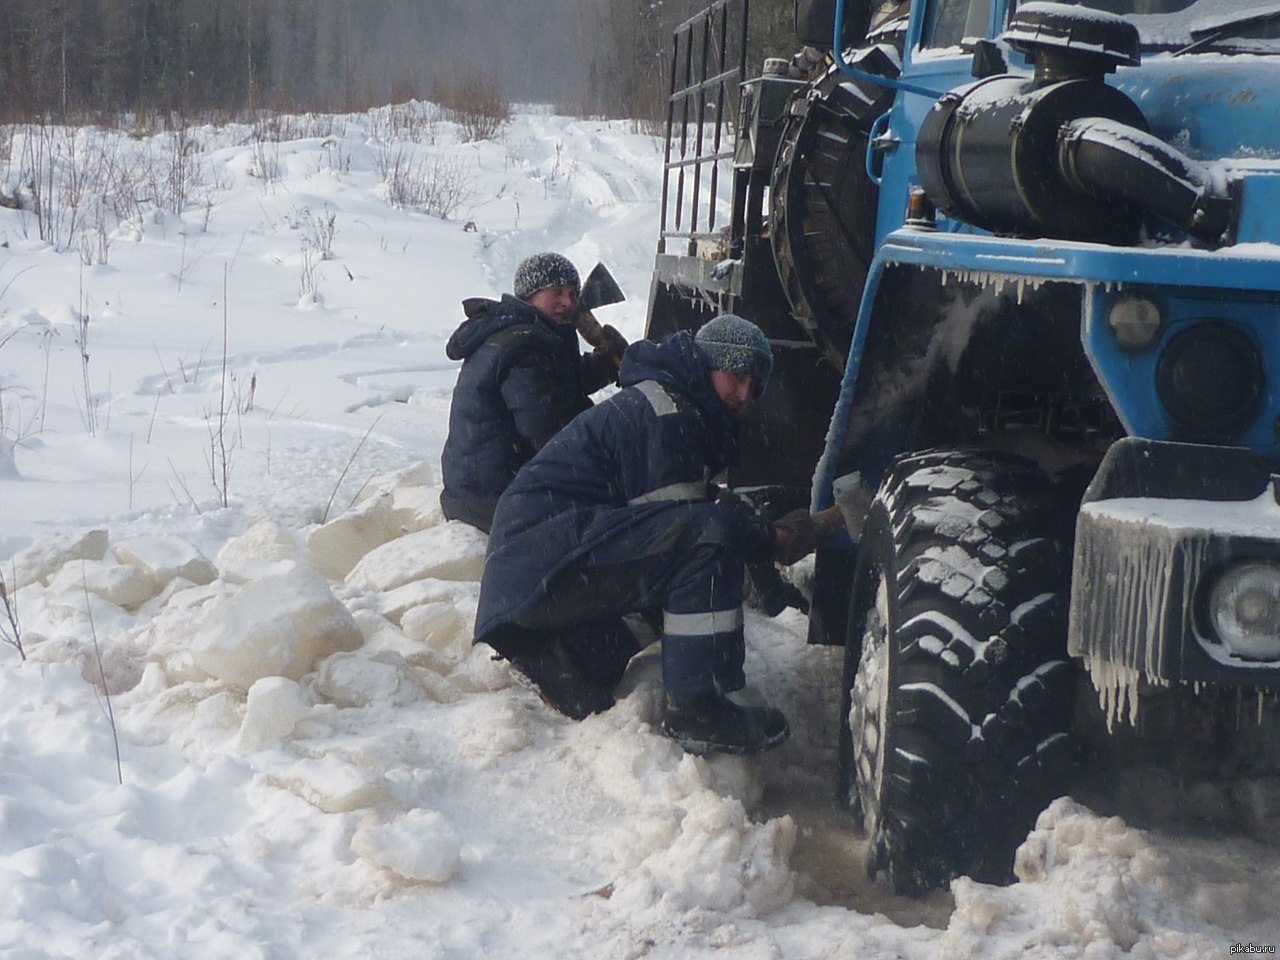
(731, 343)
(544, 270)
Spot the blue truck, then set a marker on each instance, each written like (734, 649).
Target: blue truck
(1019, 264)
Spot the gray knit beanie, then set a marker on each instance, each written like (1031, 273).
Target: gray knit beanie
(731, 343)
(544, 270)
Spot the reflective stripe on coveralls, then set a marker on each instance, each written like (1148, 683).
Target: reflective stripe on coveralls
(676, 491)
(697, 624)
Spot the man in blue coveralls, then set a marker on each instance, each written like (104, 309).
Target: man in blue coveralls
(616, 515)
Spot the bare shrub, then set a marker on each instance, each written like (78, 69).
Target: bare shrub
(63, 171)
(400, 169)
(184, 169)
(475, 102)
(308, 282)
(221, 447)
(265, 162)
(90, 186)
(90, 412)
(414, 121)
(317, 229)
(10, 626)
(434, 183)
(337, 154)
(447, 184)
(125, 189)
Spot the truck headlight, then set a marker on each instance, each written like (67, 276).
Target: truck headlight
(1209, 379)
(1244, 610)
(1134, 322)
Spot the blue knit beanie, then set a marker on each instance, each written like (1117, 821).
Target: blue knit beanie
(543, 270)
(731, 343)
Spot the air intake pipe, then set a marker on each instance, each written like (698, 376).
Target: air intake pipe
(1099, 157)
(1062, 155)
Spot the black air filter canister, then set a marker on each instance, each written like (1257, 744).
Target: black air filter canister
(988, 154)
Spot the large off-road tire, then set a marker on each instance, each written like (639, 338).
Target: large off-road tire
(957, 691)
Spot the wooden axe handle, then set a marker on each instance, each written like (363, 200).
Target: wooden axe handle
(590, 328)
(592, 332)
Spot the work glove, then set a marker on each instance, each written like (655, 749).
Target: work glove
(612, 342)
(771, 593)
(796, 534)
(598, 370)
(757, 535)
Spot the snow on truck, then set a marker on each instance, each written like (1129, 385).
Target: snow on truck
(1019, 266)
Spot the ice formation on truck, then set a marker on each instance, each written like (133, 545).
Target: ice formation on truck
(1019, 266)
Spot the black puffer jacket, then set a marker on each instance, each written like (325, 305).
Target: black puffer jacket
(521, 381)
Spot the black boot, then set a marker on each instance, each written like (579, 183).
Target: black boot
(561, 682)
(714, 724)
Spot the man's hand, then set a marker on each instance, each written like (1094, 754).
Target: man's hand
(758, 538)
(598, 370)
(612, 342)
(795, 536)
(772, 593)
(600, 366)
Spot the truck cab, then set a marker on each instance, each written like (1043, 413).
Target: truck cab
(1019, 266)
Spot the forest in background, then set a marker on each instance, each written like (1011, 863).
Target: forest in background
(68, 60)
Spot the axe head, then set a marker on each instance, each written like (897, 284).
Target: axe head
(599, 289)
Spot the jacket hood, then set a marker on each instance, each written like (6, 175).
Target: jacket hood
(485, 318)
(677, 363)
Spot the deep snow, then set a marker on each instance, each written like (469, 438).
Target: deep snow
(315, 761)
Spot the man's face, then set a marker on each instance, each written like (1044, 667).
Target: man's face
(558, 303)
(736, 391)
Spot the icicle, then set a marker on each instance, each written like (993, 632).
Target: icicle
(1117, 688)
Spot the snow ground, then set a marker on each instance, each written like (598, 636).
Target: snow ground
(312, 760)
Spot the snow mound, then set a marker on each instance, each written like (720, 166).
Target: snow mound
(166, 558)
(451, 551)
(339, 544)
(418, 846)
(331, 783)
(266, 547)
(714, 858)
(352, 680)
(120, 584)
(417, 507)
(1090, 886)
(278, 625)
(38, 562)
(272, 710)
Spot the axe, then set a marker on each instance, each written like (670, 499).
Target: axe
(598, 290)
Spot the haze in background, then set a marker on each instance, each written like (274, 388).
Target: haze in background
(71, 58)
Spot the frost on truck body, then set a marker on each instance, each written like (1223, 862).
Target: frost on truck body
(1137, 563)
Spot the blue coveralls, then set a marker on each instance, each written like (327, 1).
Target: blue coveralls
(614, 516)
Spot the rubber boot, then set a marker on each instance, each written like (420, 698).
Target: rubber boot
(711, 723)
(561, 682)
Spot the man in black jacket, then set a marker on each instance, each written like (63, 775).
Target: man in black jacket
(617, 515)
(522, 379)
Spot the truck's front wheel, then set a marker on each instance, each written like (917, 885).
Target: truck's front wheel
(957, 693)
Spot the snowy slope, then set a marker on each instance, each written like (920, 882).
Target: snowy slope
(314, 760)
